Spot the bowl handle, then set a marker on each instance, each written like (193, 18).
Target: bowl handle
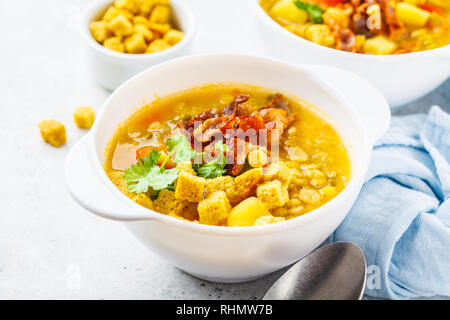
(86, 187)
(374, 112)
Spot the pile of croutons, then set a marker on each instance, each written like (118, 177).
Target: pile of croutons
(137, 26)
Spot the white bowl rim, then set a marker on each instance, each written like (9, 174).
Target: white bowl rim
(96, 6)
(306, 218)
(441, 51)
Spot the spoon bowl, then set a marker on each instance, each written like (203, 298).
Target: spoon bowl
(334, 272)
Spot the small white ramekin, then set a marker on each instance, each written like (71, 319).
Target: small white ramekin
(110, 68)
(231, 254)
(401, 78)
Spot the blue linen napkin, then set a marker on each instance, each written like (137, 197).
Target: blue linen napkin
(401, 219)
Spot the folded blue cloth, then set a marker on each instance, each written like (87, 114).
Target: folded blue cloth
(401, 219)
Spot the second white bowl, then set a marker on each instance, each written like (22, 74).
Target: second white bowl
(401, 78)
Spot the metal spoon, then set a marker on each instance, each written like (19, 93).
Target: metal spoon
(334, 272)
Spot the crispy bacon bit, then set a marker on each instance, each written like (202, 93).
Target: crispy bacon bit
(359, 24)
(395, 27)
(346, 41)
(277, 101)
(240, 126)
(231, 108)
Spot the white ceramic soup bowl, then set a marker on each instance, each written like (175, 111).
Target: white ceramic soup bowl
(110, 68)
(400, 78)
(230, 254)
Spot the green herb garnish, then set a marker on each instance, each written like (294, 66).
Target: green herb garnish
(214, 168)
(181, 147)
(315, 12)
(146, 173)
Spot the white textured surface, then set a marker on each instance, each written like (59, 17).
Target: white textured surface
(49, 246)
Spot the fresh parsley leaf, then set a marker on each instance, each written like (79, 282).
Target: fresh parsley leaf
(214, 168)
(146, 173)
(180, 146)
(315, 12)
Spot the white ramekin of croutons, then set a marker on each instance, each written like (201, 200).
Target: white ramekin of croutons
(124, 37)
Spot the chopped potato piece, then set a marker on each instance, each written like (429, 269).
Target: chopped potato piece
(336, 18)
(379, 45)
(299, 30)
(320, 34)
(246, 212)
(264, 220)
(53, 132)
(84, 117)
(287, 12)
(412, 15)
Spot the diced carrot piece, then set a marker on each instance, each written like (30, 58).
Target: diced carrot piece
(431, 8)
(145, 151)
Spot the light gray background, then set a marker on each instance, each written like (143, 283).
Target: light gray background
(49, 246)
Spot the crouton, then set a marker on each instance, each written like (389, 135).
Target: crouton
(267, 220)
(167, 203)
(116, 177)
(144, 31)
(140, 20)
(110, 14)
(84, 117)
(272, 194)
(173, 36)
(214, 210)
(160, 14)
(143, 200)
(186, 166)
(53, 132)
(189, 187)
(120, 25)
(160, 28)
(157, 45)
(246, 183)
(135, 43)
(130, 5)
(225, 184)
(115, 44)
(279, 171)
(99, 31)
